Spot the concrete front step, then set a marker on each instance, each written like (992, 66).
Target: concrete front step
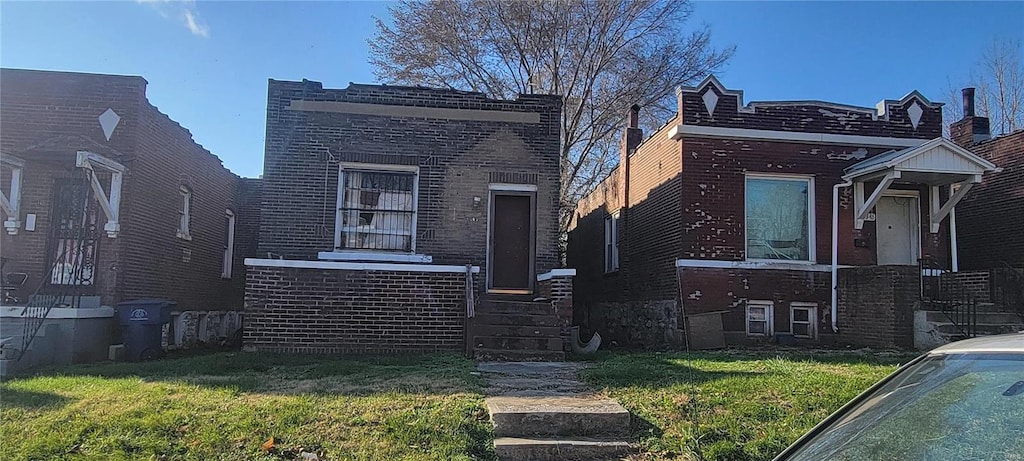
(518, 331)
(553, 416)
(516, 319)
(981, 329)
(518, 343)
(516, 307)
(501, 355)
(989, 318)
(525, 449)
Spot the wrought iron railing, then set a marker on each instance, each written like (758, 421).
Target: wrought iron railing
(941, 292)
(1006, 288)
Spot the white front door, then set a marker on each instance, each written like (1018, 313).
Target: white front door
(897, 233)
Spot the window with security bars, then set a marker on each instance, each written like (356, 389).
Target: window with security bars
(377, 210)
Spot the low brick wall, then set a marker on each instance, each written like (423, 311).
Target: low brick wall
(876, 305)
(974, 283)
(557, 289)
(338, 310)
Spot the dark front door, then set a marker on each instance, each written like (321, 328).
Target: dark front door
(511, 244)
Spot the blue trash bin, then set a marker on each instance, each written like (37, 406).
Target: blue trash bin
(142, 324)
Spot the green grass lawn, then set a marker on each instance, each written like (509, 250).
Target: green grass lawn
(724, 406)
(225, 406)
(732, 405)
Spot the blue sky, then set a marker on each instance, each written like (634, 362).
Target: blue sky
(207, 63)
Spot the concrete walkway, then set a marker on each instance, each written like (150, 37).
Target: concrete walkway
(541, 411)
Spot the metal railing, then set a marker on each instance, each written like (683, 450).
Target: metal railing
(941, 292)
(1006, 288)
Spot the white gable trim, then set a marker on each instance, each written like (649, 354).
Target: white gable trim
(679, 131)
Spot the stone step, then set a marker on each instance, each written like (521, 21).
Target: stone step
(516, 319)
(523, 449)
(515, 331)
(990, 318)
(982, 329)
(499, 355)
(518, 343)
(516, 307)
(517, 416)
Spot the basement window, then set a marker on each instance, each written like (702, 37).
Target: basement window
(184, 212)
(759, 318)
(229, 244)
(779, 213)
(803, 320)
(376, 209)
(611, 242)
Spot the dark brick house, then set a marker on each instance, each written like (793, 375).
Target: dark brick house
(407, 219)
(106, 199)
(723, 219)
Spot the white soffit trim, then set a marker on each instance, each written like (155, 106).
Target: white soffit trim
(556, 273)
(679, 131)
(354, 266)
(780, 265)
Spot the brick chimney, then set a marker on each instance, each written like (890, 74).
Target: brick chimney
(972, 128)
(630, 140)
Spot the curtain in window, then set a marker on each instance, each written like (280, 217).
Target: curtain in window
(377, 211)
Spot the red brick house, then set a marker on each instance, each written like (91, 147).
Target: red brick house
(408, 219)
(723, 220)
(106, 199)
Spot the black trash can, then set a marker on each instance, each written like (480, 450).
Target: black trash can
(142, 327)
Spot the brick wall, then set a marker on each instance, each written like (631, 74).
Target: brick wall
(559, 291)
(347, 311)
(990, 228)
(457, 159)
(706, 290)
(876, 305)
(47, 117)
(974, 283)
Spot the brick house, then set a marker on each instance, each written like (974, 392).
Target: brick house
(723, 220)
(408, 219)
(106, 199)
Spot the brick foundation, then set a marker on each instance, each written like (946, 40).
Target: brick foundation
(876, 305)
(329, 311)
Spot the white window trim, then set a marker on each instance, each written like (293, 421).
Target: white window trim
(11, 205)
(229, 247)
(375, 168)
(812, 318)
(769, 313)
(811, 222)
(611, 238)
(185, 216)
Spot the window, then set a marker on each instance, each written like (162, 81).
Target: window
(611, 242)
(803, 320)
(229, 245)
(184, 212)
(759, 318)
(779, 213)
(376, 210)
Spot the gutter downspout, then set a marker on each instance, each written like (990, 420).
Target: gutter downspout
(835, 252)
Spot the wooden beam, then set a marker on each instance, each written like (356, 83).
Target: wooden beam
(861, 213)
(937, 216)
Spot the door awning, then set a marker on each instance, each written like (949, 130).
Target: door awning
(936, 163)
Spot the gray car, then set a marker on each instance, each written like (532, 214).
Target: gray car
(961, 401)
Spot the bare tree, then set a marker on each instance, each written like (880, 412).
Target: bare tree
(601, 56)
(998, 76)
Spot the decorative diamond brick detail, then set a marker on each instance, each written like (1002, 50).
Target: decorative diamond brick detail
(915, 112)
(710, 100)
(108, 121)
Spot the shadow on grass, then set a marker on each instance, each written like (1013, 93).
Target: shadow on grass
(285, 374)
(31, 400)
(650, 372)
